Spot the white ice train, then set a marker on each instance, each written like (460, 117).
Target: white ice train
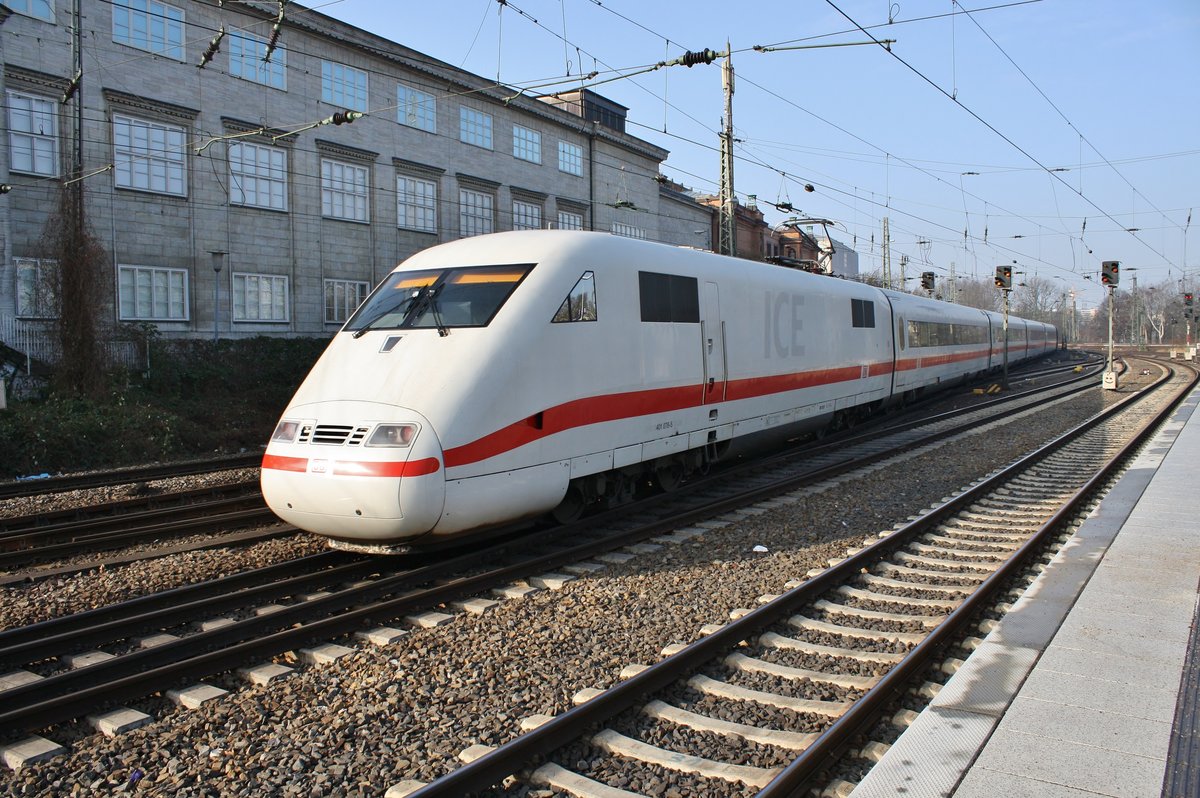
(506, 376)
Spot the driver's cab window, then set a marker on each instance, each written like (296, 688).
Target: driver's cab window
(580, 304)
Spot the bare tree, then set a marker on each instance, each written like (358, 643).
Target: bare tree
(81, 260)
(1036, 298)
(981, 294)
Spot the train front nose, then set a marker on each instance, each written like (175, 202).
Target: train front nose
(370, 480)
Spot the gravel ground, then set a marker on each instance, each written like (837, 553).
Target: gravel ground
(382, 715)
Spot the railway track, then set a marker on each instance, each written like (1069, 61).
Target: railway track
(765, 703)
(32, 540)
(303, 610)
(120, 476)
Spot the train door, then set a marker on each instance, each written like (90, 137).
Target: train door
(712, 332)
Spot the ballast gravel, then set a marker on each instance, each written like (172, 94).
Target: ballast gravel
(404, 711)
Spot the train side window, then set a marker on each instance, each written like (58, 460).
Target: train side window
(580, 304)
(901, 333)
(914, 334)
(862, 313)
(669, 297)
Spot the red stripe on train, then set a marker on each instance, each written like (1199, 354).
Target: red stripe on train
(281, 463)
(414, 468)
(411, 468)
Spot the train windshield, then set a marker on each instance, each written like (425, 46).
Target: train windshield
(440, 299)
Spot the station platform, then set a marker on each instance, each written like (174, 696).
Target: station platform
(1091, 685)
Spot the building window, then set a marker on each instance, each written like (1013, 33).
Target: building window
(146, 293)
(149, 156)
(258, 176)
(628, 230)
(474, 127)
(344, 86)
(476, 213)
(570, 158)
(570, 221)
(527, 144)
(260, 297)
(416, 108)
(147, 25)
(526, 216)
(247, 54)
(32, 8)
(344, 190)
(342, 297)
(416, 203)
(32, 134)
(37, 288)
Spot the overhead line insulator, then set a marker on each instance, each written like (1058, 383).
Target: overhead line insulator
(705, 56)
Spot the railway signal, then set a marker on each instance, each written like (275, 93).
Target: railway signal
(1187, 299)
(1110, 272)
(1004, 278)
(927, 280)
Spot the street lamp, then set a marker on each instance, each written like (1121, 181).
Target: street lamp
(218, 261)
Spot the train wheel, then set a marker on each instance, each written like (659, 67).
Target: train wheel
(668, 474)
(571, 508)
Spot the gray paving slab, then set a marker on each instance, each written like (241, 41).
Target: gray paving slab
(1099, 622)
(1110, 728)
(1124, 642)
(1067, 764)
(982, 783)
(1173, 606)
(1111, 667)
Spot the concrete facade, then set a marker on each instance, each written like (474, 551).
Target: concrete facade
(222, 163)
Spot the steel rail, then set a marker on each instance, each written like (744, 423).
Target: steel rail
(113, 512)
(57, 484)
(189, 526)
(85, 529)
(511, 757)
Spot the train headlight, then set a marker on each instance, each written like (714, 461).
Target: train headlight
(399, 435)
(285, 431)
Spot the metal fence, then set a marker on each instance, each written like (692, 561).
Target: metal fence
(35, 342)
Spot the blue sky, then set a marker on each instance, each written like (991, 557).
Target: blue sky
(1119, 117)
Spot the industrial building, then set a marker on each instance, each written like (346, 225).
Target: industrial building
(235, 189)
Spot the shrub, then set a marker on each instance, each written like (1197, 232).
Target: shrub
(200, 397)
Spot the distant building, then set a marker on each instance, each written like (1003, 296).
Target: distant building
(683, 220)
(797, 244)
(753, 236)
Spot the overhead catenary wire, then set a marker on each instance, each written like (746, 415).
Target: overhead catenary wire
(763, 48)
(992, 128)
(1052, 104)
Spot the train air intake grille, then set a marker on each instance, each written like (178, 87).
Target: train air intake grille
(332, 434)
